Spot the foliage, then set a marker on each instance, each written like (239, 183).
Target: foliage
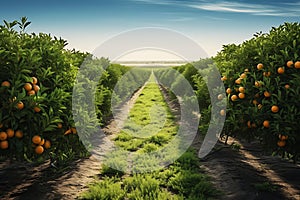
(265, 67)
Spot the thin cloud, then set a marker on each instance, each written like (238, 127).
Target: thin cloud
(254, 9)
(284, 9)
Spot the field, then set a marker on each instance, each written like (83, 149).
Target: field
(49, 132)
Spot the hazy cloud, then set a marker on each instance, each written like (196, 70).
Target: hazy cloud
(284, 9)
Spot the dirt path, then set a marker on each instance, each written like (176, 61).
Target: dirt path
(249, 174)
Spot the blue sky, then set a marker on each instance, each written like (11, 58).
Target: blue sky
(211, 23)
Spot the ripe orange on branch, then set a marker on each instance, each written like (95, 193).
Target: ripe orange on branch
(36, 139)
(228, 91)
(47, 144)
(20, 105)
(31, 92)
(39, 149)
(241, 89)
(10, 133)
(267, 94)
(297, 64)
(34, 80)
(274, 109)
(260, 66)
(18, 134)
(234, 97)
(280, 70)
(3, 135)
(28, 86)
(290, 64)
(36, 88)
(36, 109)
(266, 124)
(4, 144)
(5, 84)
(281, 143)
(241, 95)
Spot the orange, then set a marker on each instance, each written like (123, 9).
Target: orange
(256, 95)
(36, 109)
(47, 144)
(241, 95)
(290, 63)
(283, 137)
(5, 84)
(257, 84)
(18, 134)
(68, 132)
(10, 133)
(20, 105)
(3, 135)
(281, 143)
(280, 70)
(266, 124)
(39, 149)
(34, 80)
(234, 97)
(274, 109)
(238, 81)
(31, 92)
(287, 86)
(74, 130)
(253, 125)
(222, 112)
(228, 91)
(260, 66)
(243, 75)
(4, 144)
(59, 125)
(36, 88)
(224, 78)
(28, 86)
(1, 125)
(246, 70)
(42, 142)
(36, 139)
(267, 94)
(241, 89)
(297, 64)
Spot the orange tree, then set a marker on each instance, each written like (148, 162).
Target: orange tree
(36, 75)
(37, 78)
(262, 77)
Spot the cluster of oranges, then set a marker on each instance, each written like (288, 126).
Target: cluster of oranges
(6, 135)
(239, 92)
(40, 144)
(32, 88)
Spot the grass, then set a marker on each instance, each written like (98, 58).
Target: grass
(150, 121)
(150, 127)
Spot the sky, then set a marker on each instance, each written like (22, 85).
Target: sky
(210, 23)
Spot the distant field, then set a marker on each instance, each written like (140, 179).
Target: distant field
(152, 63)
